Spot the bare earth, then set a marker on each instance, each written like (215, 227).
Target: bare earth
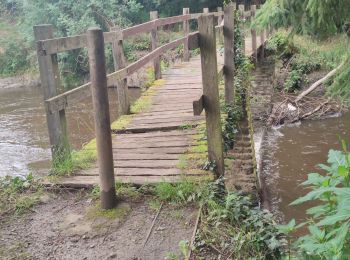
(66, 226)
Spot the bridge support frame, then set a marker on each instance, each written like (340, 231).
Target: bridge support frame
(154, 43)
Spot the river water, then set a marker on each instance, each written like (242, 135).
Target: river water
(291, 152)
(24, 142)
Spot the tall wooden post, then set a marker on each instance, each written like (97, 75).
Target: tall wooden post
(241, 12)
(253, 32)
(229, 65)
(154, 42)
(206, 10)
(122, 86)
(186, 28)
(101, 114)
(262, 41)
(207, 42)
(219, 23)
(51, 86)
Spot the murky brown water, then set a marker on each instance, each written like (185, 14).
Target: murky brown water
(24, 143)
(294, 151)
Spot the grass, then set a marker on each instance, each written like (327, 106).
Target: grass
(18, 195)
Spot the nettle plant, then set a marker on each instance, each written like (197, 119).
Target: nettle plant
(329, 225)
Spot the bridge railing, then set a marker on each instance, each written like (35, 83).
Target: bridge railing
(57, 100)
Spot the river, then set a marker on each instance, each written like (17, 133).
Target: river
(24, 142)
(291, 152)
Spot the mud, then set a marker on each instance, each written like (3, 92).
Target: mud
(68, 226)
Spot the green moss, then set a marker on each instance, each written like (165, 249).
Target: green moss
(95, 212)
(122, 122)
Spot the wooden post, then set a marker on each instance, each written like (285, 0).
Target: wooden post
(154, 41)
(186, 28)
(229, 65)
(206, 10)
(51, 86)
(241, 12)
(207, 42)
(122, 85)
(262, 41)
(253, 32)
(219, 23)
(98, 78)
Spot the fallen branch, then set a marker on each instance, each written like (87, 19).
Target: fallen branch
(318, 83)
(312, 112)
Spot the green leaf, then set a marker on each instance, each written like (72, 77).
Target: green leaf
(312, 195)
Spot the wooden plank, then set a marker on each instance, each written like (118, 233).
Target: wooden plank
(193, 42)
(57, 45)
(211, 92)
(51, 86)
(229, 66)
(140, 171)
(151, 156)
(198, 106)
(122, 87)
(186, 29)
(154, 44)
(167, 134)
(167, 150)
(148, 164)
(122, 145)
(158, 127)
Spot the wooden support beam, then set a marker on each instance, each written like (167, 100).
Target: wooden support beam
(122, 86)
(198, 106)
(51, 86)
(154, 42)
(207, 42)
(186, 28)
(229, 65)
(262, 41)
(241, 13)
(253, 32)
(220, 20)
(102, 119)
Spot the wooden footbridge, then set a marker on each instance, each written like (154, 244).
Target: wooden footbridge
(148, 149)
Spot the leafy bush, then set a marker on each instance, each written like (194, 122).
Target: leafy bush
(14, 59)
(329, 223)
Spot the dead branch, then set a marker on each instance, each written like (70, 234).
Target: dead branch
(318, 83)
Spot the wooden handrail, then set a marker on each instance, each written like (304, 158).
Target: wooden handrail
(57, 45)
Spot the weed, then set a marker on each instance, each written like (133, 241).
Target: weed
(18, 195)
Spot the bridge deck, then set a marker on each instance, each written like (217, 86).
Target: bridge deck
(149, 149)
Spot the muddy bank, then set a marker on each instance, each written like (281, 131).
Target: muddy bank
(21, 81)
(68, 226)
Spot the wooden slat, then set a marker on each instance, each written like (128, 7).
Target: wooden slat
(57, 45)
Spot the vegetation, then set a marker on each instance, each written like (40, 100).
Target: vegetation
(329, 222)
(18, 195)
(322, 29)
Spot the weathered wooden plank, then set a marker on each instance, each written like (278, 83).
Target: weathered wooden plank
(186, 29)
(141, 156)
(150, 150)
(122, 145)
(139, 171)
(229, 66)
(57, 45)
(155, 134)
(211, 92)
(154, 44)
(198, 106)
(148, 164)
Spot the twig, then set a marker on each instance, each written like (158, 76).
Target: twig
(152, 225)
(195, 231)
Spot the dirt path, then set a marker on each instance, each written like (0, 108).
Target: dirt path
(68, 226)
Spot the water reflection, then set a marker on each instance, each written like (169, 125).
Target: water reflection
(23, 131)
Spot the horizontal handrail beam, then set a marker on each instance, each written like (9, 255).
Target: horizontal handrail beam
(63, 100)
(57, 45)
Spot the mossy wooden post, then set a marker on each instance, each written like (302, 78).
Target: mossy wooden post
(154, 43)
(186, 28)
(229, 65)
(253, 32)
(51, 86)
(98, 78)
(207, 42)
(122, 86)
(219, 23)
(241, 13)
